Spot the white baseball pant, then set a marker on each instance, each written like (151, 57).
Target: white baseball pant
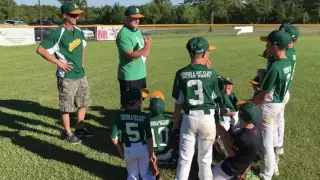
(229, 120)
(137, 161)
(268, 124)
(218, 173)
(201, 127)
(281, 122)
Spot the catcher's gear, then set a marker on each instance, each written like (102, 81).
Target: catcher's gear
(153, 168)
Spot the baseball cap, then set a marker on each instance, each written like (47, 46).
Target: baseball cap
(133, 11)
(279, 38)
(70, 8)
(227, 81)
(156, 106)
(157, 94)
(132, 95)
(248, 111)
(198, 45)
(293, 31)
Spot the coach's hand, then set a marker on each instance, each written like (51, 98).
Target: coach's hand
(65, 66)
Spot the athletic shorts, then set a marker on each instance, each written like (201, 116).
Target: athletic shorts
(141, 83)
(73, 92)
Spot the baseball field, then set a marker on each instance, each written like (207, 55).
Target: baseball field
(30, 142)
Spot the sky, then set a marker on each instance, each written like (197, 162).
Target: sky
(92, 2)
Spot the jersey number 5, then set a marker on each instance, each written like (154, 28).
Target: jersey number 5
(198, 92)
(133, 133)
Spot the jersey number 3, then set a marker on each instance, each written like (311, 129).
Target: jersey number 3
(198, 92)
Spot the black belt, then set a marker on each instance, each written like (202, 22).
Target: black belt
(206, 111)
(128, 144)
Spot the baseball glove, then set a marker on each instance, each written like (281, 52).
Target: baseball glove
(153, 168)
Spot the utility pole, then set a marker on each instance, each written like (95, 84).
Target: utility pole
(210, 30)
(40, 20)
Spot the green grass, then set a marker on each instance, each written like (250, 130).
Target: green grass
(30, 143)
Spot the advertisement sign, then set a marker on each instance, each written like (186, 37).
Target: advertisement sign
(244, 29)
(107, 33)
(17, 36)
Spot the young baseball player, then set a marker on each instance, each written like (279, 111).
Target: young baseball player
(291, 55)
(195, 89)
(274, 87)
(136, 144)
(161, 126)
(245, 145)
(230, 111)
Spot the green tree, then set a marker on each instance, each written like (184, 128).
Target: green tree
(80, 3)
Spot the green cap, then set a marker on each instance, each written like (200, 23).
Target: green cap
(293, 31)
(198, 45)
(133, 11)
(227, 81)
(156, 106)
(70, 8)
(132, 95)
(279, 38)
(248, 112)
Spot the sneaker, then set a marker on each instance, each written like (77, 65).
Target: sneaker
(73, 139)
(279, 151)
(80, 133)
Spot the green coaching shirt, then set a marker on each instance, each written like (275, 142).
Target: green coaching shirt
(133, 127)
(67, 46)
(277, 79)
(130, 40)
(196, 87)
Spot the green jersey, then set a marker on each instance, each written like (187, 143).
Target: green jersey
(230, 102)
(196, 87)
(160, 129)
(67, 46)
(291, 55)
(133, 126)
(276, 80)
(130, 40)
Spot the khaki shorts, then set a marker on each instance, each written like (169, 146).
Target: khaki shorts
(73, 93)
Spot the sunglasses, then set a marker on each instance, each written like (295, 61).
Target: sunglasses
(72, 15)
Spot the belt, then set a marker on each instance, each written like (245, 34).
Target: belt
(128, 144)
(206, 111)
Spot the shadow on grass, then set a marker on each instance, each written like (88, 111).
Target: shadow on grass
(100, 142)
(50, 151)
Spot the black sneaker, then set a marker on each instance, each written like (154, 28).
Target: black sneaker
(73, 139)
(81, 133)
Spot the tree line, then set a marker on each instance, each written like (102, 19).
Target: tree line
(188, 12)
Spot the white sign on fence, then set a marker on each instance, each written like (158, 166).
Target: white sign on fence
(107, 33)
(17, 36)
(244, 29)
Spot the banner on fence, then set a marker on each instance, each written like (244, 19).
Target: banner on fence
(17, 36)
(244, 29)
(107, 33)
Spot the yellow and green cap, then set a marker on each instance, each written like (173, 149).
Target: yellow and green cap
(293, 31)
(156, 106)
(198, 45)
(70, 8)
(133, 11)
(248, 111)
(279, 38)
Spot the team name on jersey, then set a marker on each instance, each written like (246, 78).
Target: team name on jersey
(130, 117)
(74, 44)
(196, 74)
(287, 70)
(159, 123)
